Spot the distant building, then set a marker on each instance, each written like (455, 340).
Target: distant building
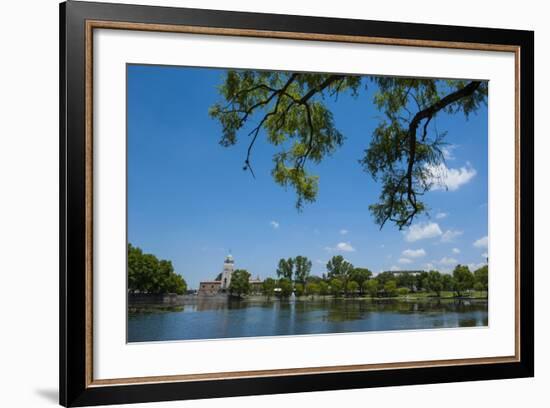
(228, 268)
(214, 287)
(209, 287)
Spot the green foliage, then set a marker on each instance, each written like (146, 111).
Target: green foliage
(302, 269)
(240, 283)
(299, 289)
(447, 282)
(336, 286)
(406, 280)
(421, 280)
(481, 276)
(324, 288)
(361, 276)
(403, 291)
(314, 279)
(390, 288)
(463, 279)
(371, 287)
(285, 286)
(383, 277)
(268, 287)
(312, 289)
(352, 287)
(338, 267)
(434, 282)
(285, 268)
(148, 274)
(290, 108)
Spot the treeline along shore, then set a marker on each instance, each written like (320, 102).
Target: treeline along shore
(153, 281)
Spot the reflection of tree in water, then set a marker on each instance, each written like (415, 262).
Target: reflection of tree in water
(338, 310)
(342, 310)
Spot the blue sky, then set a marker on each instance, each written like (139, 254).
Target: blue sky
(189, 200)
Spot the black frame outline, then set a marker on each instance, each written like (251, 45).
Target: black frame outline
(72, 299)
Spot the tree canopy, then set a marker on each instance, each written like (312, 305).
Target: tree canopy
(148, 274)
(338, 267)
(285, 268)
(240, 283)
(405, 149)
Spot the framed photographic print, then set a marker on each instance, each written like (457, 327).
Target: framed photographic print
(255, 203)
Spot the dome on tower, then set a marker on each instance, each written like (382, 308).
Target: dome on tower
(229, 259)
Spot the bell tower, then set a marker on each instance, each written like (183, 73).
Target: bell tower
(228, 267)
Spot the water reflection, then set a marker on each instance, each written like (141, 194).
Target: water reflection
(205, 318)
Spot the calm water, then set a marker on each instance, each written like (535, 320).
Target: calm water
(208, 319)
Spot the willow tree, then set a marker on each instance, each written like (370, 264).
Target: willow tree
(404, 152)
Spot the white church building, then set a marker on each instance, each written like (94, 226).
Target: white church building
(222, 285)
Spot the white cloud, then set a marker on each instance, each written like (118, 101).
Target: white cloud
(482, 242)
(450, 235)
(429, 265)
(414, 253)
(441, 215)
(422, 231)
(447, 261)
(395, 268)
(485, 255)
(444, 178)
(343, 231)
(448, 152)
(274, 224)
(404, 261)
(456, 251)
(341, 247)
(474, 266)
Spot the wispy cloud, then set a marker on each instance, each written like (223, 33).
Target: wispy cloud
(482, 242)
(450, 235)
(344, 232)
(422, 231)
(274, 224)
(414, 253)
(404, 261)
(456, 251)
(448, 152)
(341, 247)
(485, 255)
(474, 266)
(441, 215)
(395, 268)
(444, 178)
(447, 261)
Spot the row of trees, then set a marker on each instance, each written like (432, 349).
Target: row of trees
(461, 280)
(148, 274)
(343, 278)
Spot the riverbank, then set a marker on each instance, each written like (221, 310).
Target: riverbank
(144, 303)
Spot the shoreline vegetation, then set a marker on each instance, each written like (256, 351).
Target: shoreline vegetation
(177, 303)
(154, 284)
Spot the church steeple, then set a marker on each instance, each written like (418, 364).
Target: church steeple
(228, 267)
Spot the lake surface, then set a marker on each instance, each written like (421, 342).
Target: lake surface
(211, 319)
